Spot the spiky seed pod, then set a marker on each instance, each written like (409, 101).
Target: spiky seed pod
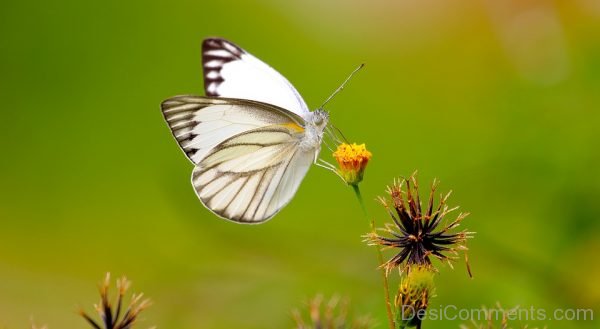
(332, 314)
(111, 317)
(416, 233)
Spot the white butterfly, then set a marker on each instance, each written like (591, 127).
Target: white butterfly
(252, 139)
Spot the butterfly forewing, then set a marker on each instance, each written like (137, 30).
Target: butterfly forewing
(201, 123)
(230, 71)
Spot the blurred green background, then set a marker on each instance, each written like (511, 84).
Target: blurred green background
(498, 99)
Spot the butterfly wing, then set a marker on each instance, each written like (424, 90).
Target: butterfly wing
(201, 123)
(251, 176)
(248, 161)
(230, 71)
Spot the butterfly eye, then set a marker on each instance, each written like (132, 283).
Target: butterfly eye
(320, 118)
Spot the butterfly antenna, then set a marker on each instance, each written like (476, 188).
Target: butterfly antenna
(340, 88)
(341, 133)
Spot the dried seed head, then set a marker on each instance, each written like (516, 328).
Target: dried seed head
(418, 233)
(111, 316)
(330, 314)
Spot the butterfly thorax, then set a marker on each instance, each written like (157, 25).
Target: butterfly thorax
(316, 122)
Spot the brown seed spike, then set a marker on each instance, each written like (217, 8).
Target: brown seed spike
(417, 198)
(110, 318)
(430, 203)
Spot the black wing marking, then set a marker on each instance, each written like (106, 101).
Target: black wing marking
(217, 52)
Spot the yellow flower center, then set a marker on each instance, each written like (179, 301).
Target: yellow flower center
(352, 159)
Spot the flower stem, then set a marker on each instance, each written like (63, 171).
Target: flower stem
(386, 286)
(360, 199)
(386, 289)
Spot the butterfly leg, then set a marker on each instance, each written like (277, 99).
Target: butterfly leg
(324, 164)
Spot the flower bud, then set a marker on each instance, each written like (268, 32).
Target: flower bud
(413, 296)
(352, 160)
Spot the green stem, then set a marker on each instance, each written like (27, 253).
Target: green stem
(360, 199)
(386, 289)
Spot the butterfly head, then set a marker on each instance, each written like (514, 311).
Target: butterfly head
(316, 122)
(319, 119)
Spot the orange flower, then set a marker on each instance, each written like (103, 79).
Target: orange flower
(352, 160)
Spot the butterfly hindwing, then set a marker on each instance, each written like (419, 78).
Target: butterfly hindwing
(250, 177)
(230, 71)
